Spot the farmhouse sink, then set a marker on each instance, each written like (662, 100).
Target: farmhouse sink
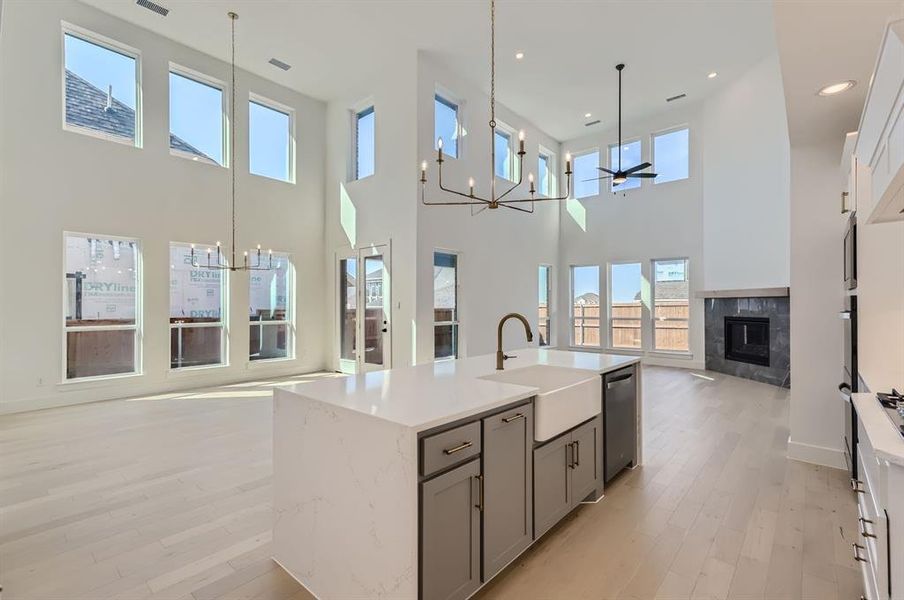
(566, 397)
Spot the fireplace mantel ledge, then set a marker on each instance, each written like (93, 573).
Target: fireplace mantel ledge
(775, 292)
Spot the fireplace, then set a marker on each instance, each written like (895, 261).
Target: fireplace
(747, 340)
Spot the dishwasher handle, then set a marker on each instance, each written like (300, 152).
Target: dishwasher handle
(611, 383)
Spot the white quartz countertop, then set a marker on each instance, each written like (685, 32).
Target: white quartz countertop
(886, 441)
(428, 395)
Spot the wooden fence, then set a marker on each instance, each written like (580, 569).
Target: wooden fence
(626, 323)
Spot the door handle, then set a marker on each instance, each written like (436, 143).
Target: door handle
(513, 418)
(385, 330)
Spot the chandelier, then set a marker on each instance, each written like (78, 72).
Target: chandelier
(494, 200)
(219, 263)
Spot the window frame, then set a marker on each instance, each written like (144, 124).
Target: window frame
(292, 143)
(453, 101)
(361, 110)
(571, 316)
(456, 323)
(91, 37)
(687, 275)
(662, 132)
(549, 304)
(289, 321)
(137, 327)
(610, 345)
(551, 169)
(201, 78)
(612, 167)
(574, 159)
(223, 322)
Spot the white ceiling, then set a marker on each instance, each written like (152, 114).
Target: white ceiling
(337, 48)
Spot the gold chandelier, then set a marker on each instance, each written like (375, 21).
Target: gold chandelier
(495, 200)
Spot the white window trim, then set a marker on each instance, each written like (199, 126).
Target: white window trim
(223, 323)
(137, 327)
(286, 110)
(289, 321)
(610, 346)
(512, 163)
(114, 46)
(574, 159)
(667, 131)
(549, 302)
(571, 317)
(551, 170)
(687, 272)
(450, 98)
(457, 321)
(354, 112)
(613, 166)
(203, 79)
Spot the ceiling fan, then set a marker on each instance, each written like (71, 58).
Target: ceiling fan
(620, 175)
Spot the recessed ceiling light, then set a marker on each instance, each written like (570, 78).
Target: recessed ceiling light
(519, 55)
(587, 115)
(836, 88)
(713, 75)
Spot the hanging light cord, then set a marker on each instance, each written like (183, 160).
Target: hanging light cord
(232, 17)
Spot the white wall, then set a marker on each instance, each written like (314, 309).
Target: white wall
(662, 220)
(746, 182)
(501, 249)
(55, 180)
(817, 294)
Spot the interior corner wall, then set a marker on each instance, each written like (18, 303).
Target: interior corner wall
(56, 180)
(500, 250)
(746, 187)
(817, 230)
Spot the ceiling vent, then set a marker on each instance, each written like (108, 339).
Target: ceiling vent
(678, 97)
(592, 123)
(153, 7)
(279, 64)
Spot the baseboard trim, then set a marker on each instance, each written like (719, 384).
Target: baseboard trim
(816, 455)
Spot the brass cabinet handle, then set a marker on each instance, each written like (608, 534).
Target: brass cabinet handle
(577, 453)
(479, 505)
(458, 448)
(844, 208)
(570, 446)
(513, 418)
(867, 535)
(855, 485)
(857, 547)
(862, 520)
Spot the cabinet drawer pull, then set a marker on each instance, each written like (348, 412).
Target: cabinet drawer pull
(458, 448)
(855, 485)
(857, 548)
(577, 453)
(867, 535)
(570, 460)
(862, 520)
(513, 418)
(479, 505)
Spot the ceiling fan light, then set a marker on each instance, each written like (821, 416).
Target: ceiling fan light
(619, 179)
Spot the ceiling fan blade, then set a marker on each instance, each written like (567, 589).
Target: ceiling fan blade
(642, 175)
(597, 178)
(604, 169)
(639, 167)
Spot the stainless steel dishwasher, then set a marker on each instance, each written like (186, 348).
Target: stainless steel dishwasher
(619, 420)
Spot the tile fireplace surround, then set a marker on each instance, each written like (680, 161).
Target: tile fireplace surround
(719, 305)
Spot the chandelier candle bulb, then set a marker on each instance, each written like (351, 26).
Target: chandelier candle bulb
(471, 185)
(568, 162)
(521, 142)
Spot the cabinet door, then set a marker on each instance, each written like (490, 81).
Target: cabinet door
(552, 483)
(507, 513)
(586, 450)
(450, 534)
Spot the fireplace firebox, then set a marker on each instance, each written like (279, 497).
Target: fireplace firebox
(747, 340)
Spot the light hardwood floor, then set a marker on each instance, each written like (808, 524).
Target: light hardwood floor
(170, 497)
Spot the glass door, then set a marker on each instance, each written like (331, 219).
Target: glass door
(364, 310)
(348, 313)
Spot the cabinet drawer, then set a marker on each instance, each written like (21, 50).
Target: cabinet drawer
(449, 448)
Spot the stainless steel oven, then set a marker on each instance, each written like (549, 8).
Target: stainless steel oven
(849, 382)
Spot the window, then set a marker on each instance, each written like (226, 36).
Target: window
(544, 314)
(365, 147)
(546, 178)
(101, 323)
(670, 155)
(586, 174)
(625, 305)
(101, 83)
(585, 306)
(271, 314)
(445, 305)
(197, 321)
(271, 140)
(446, 125)
(196, 117)
(630, 157)
(671, 294)
(348, 308)
(504, 167)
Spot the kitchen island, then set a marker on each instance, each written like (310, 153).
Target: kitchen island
(426, 481)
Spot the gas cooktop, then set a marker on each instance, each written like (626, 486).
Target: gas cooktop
(893, 403)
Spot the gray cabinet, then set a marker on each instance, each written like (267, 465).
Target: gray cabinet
(507, 494)
(450, 533)
(567, 469)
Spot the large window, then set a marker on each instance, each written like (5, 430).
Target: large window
(586, 174)
(585, 306)
(544, 281)
(101, 83)
(625, 305)
(546, 168)
(446, 125)
(196, 117)
(197, 315)
(365, 147)
(630, 157)
(671, 295)
(502, 142)
(101, 321)
(445, 305)
(271, 151)
(348, 308)
(271, 302)
(670, 155)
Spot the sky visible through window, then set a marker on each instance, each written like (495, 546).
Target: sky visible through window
(586, 280)
(544, 286)
(196, 115)
(630, 157)
(445, 126)
(586, 173)
(543, 175)
(502, 143)
(626, 282)
(670, 152)
(268, 141)
(364, 143)
(102, 68)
